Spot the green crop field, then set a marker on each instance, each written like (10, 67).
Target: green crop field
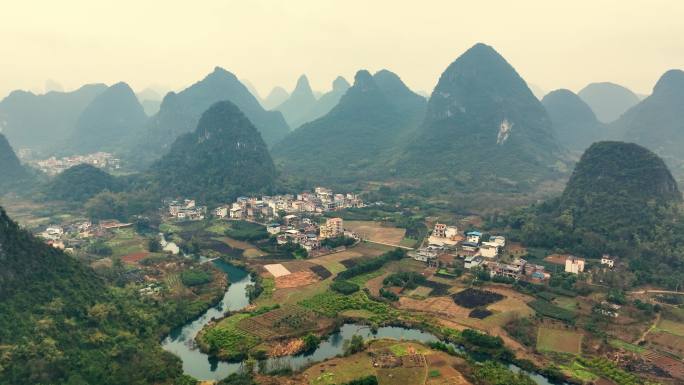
(559, 340)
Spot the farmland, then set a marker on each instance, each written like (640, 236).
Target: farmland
(393, 363)
(227, 340)
(559, 340)
(377, 232)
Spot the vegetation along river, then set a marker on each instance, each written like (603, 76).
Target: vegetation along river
(181, 341)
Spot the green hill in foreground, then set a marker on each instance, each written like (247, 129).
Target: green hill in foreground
(621, 199)
(60, 323)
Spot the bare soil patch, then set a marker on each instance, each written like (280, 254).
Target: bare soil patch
(557, 259)
(134, 258)
(298, 279)
(277, 270)
(376, 232)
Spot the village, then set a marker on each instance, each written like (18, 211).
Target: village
(53, 165)
(458, 275)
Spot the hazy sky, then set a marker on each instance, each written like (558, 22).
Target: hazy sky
(174, 43)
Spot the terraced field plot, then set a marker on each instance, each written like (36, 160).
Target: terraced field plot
(667, 342)
(673, 327)
(284, 322)
(559, 340)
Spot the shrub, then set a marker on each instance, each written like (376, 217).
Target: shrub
(370, 380)
(372, 264)
(311, 342)
(408, 280)
(247, 231)
(388, 294)
(100, 248)
(550, 310)
(344, 287)
(195, 277)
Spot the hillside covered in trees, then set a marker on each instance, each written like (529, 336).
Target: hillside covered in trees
(61, 324)
(223, 158)
(621, 199)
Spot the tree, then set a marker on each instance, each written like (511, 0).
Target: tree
(153, 245)
(354, 345)
(311, 342)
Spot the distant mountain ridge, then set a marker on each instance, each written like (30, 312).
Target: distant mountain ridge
(483, 128)
(180, 113)
(327, 101)
(296, 108)
(657, 122)
(372, 118)
(225, 156)
(109, 121)
(40, 121)
(276, 97)
(11, 170)
(608, 100)
(574, 122)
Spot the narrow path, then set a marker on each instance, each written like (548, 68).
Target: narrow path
(645, 333)
(656, 292)
(389, 244)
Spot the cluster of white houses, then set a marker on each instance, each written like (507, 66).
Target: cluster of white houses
(446, 240)
(185, 210)
(66, 236)
(266, 208)
(306, 232)
(54, 166)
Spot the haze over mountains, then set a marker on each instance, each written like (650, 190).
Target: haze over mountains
(372, 117)
(657, 122)
(297, 106)
(482, 127)
(39, 121)
(608, 100)
(574, 122)
(109, 121)
(179, 113)
(275, 98)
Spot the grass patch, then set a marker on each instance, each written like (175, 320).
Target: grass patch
(672, 327)
(620, 344)
(218, 228)
(363, 278)
(560, 341)
(566, 303)
(579, 372)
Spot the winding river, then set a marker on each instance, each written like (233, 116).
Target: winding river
(181, 341)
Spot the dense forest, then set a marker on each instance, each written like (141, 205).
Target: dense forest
(60, 323)
(223, 158)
